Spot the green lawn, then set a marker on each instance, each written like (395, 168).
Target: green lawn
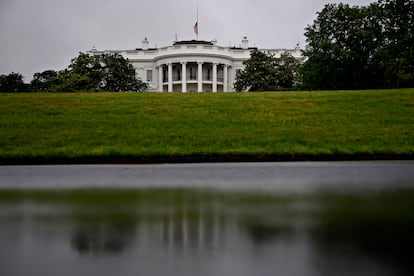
(139, 125)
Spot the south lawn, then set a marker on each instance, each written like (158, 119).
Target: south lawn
(163, 127)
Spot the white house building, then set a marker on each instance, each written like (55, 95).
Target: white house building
(191, 66)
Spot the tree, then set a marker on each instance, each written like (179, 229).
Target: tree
(104, 72)
(44, 80)
(360, 47)
(259, 73)
(264, 72)
(337, 51)
(88, 70)
(398, 50)
(287, 71)
(12, 82)
(119, 74)
(69, 81)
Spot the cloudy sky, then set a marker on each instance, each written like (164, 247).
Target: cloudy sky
(46, 34)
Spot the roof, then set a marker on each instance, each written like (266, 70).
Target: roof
(186, 42)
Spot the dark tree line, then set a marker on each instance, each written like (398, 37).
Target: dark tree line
(104, 72)
(361, 47)
(13, 82)
(347, 48)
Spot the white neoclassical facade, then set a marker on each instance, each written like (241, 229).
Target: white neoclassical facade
(191, 66)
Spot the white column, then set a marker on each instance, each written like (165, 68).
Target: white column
(225, 80)
(231, 78)
(200, 77)
(170, 80)
(184, 76)
(214, 77)
(160, 78)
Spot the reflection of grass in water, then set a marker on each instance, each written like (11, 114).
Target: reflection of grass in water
(153, 196)
(122, 206)
(390, 206)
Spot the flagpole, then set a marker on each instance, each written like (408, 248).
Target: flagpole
(197, 22)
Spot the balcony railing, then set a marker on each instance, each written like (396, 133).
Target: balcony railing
(194, 78)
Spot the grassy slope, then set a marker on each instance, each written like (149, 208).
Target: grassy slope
(170, 125)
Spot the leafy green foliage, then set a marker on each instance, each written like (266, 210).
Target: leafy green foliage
(105, 72)
(118, 74)
(264, 72)
(361, 47)
(259, 73)
(398, 20)
(12, 82)
(43, 81)
(88, 70)
(287, 71)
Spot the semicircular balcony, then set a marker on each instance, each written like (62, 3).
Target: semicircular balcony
(193, 77)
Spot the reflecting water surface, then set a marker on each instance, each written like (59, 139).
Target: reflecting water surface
(205, 231)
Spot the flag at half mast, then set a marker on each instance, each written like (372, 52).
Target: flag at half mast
(196, 28)
(196, 25)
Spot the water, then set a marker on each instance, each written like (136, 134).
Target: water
(345, 218)
(282, 177)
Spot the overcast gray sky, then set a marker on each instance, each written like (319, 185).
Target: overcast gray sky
(46, 34)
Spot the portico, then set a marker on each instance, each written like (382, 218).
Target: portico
(193, 76)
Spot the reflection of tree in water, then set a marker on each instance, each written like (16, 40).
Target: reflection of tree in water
(104, 236)
(374, 226)
(380, 226)
(262, 231)
(98, 241)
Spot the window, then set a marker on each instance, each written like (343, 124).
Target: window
(193, 73)
(238, 72)
(208, 74)
(149, 76)
(179, 74)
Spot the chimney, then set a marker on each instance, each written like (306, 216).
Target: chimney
(145, 44)
(245, 43)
